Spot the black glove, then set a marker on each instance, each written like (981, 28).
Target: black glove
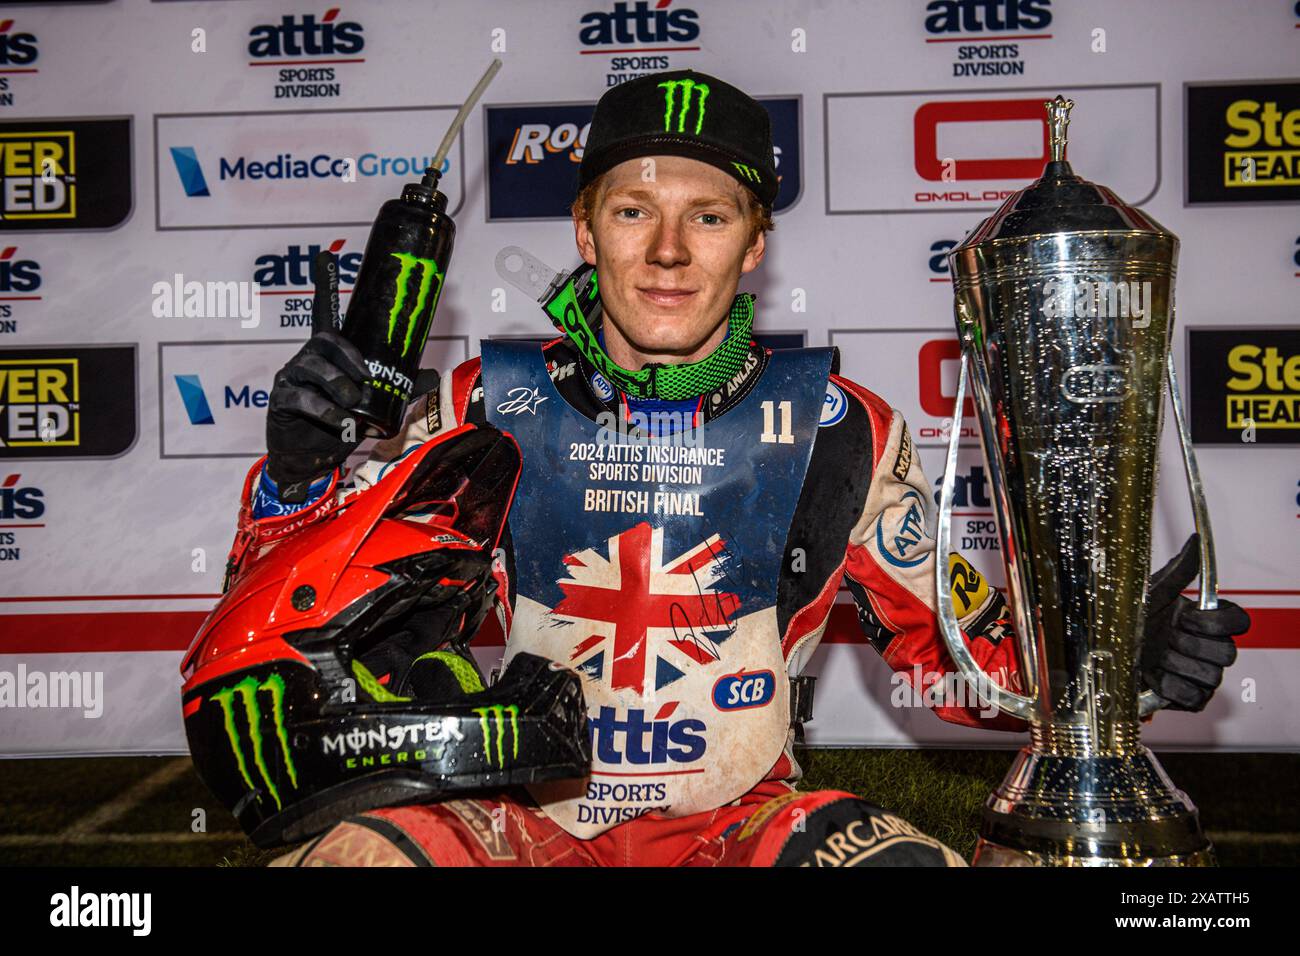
(1185, 649)
(309, 430)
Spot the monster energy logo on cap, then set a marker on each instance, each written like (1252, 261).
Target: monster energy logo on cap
(492, 720)
(428, 272)
(247, 690)
(689, 90)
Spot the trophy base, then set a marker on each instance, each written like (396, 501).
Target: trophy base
(1113, 810)
(993, 854)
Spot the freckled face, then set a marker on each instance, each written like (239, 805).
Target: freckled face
(669, 252)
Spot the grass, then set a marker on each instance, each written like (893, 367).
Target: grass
(1246, 801)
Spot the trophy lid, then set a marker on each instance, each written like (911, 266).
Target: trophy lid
(1060, 201)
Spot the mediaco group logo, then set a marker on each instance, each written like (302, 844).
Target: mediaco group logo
(986, 35)
(305, 52)
(19, 50)
(58, 402)
(64, 174)
(533, 151)
(1243, 142)
(19, 279)
(289, 277)
(638, 36)
(1244, 385)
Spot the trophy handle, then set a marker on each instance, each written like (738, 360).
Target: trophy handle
(985, 686)
(1149, 701)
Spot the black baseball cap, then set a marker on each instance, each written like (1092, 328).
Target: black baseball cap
(683, 113)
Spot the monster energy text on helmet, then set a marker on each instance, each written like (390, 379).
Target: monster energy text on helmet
(679, 113)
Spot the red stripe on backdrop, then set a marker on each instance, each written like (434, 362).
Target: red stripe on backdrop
(1271, 627)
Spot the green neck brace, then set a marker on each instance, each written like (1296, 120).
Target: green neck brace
(576, 301)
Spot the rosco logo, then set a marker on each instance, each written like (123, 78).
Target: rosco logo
(64, 174)
(744, 691)
(1243, 142)
(1245, 385)
(67, 402)
(299, 46)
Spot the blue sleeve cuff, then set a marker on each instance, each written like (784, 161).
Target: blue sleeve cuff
(267, 503)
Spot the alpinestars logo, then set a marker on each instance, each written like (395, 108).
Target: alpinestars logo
(692, 93)
(420, 315)
(492, 721)
(248, 690)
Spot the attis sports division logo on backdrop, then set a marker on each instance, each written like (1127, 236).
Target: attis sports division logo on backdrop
(18, 55)
(638, 36)
(305, 52)
(289, 279)
(19, 279)
(984, 36)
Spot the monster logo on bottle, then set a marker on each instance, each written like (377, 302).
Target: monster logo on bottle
(492, 719)
(418, 315)
(247, 690)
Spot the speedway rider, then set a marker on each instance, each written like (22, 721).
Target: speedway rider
(686, 578)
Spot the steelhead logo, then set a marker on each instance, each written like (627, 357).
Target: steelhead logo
(422, 310)
(247, 691)
(689, 90)
(492, 721)
(1243, 142)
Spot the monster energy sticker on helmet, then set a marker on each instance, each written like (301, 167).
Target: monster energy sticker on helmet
(672, 383)
(692, 93)
(492, 720)
(247, 690)
(417, 317)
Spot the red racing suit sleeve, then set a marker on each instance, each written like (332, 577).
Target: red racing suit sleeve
(890, 571)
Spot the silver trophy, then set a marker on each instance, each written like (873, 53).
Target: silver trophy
(1064, 309)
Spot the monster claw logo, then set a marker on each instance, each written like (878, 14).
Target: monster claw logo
(494, 718)
(749, 172)
(428, 272)
(689, 89)
(247, 689)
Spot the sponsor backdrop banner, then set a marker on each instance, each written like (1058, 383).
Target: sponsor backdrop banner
(168, 171)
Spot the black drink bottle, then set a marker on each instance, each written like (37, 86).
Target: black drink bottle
(398, 286)
(395, 296)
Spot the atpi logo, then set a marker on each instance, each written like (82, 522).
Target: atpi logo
(251, 693)
(16, 49)
(984, 16)
(899, 544)
(634, 739)
(303, 36)
(639, 23)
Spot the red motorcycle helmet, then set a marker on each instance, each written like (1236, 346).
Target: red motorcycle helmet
(334, 675)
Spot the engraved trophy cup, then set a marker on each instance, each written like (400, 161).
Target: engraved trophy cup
(1064, 309)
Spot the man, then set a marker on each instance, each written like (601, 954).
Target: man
(689, 578)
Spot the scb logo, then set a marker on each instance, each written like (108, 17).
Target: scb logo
(743, 691)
